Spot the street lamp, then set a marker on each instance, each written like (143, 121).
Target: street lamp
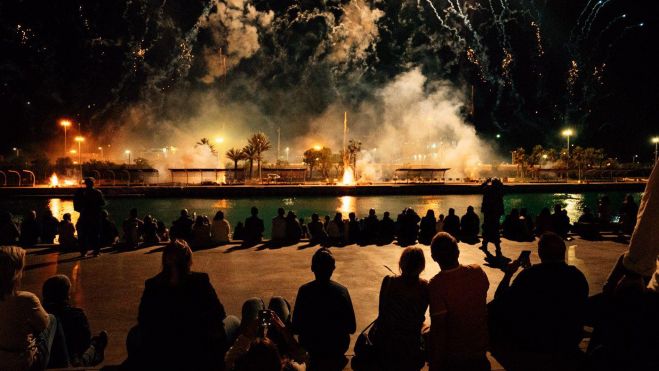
(102, 155)
(568, 133)
(655, 141)
(79, 139)
(287, 150)
(17, 150)
(65, 124)
(127, 152)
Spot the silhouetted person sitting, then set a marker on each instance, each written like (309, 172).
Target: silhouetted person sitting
(452, 224)
(149, 231)
(133, 229)
(458, 310)
(253, 228)
(279, 227)
(604, 210)
(628, 213)
(182, 227)
(370, 230)
(9, 232)
(409, 227)
(163, 232)
(305, 230)
(239, 232)
(83, 349)
(537, 322)
(261, 324)
(543, 223)
(560, 221)
(201, 233)
(29, 230)
(401, 312)
(317, 234)
(513, 227)
(427, 227)
(587, 225)
(109, 232)
(89, 202)
(439, 227)
(335, 230)
(323, 316)
(529, 226)
(353, 234)
(470, 225)
(48, 226)
(293, 228)
(66, 231)
(386, 229)
(220, 229)
(180, 318)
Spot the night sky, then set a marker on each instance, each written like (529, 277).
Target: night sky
(534, 67)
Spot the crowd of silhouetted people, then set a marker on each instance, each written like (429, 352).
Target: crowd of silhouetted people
(535, 321)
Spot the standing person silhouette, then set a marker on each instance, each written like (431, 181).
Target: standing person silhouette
(89, 202)
(492, 209)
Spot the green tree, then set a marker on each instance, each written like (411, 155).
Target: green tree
(250, 156)
(260, 143)
(520, 159)
(235, 155)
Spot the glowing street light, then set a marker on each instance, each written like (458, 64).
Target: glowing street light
(317, 147)
(568, 133)
(65, 124)
(17, 150)
(287, 150)
(127, 152)
(79, 139)
(102, 155)
(655, 141)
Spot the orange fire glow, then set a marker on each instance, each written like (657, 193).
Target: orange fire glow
(348, 176)
(54, 180)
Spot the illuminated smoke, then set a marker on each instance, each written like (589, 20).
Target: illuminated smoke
(234, 27)
(355, 33)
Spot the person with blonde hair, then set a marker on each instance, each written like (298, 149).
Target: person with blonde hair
(402, 308)
(26, 330)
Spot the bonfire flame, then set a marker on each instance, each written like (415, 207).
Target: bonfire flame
(348, 176)
(54, 180)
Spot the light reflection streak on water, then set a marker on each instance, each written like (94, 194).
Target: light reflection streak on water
(76, 285)
(348, 204)
(572, 204)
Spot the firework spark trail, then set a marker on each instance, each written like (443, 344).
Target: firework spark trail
(607, 29)
(573, 31)
(453, 30)
(612, 45)
(595, 13)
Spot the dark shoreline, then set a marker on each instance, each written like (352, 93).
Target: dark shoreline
(320, 190)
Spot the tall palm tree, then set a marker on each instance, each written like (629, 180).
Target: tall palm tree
(250, 155)
(206, 142)
(261, 143)
(235, 155)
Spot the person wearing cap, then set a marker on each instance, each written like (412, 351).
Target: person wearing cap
(89, 202)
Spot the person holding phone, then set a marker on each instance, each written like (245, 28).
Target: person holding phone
(539, 318)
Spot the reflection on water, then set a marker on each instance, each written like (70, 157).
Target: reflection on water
(237, 209)
(348, 204)
(573, 204)
(76, 289)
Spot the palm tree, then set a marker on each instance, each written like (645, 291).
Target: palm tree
(260, 143)
(206, 142)
(235, 155)
(250, 155)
